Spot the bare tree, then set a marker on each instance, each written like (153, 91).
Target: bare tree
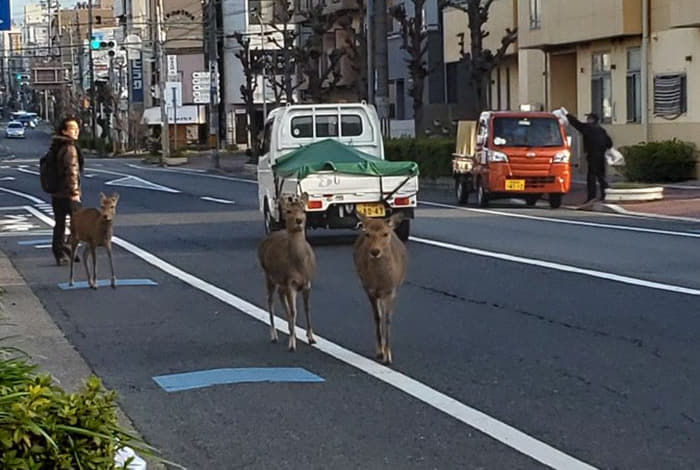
(251, 68)
(321, 80)
(415, 42)
(478, 60)
(281, 72)
(356, 48)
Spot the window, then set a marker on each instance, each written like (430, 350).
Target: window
(267, 136)
(451, 70)
(634, 85)
(601, 86)
(350, 125)
(302, 127)
(400, 99)
(518, 132)
(670, 95)
(326, 126)
(535, 14)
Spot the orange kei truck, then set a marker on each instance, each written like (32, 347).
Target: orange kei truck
(523, 155)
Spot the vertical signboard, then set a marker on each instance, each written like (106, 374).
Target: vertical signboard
(5, 15)
(137, 80)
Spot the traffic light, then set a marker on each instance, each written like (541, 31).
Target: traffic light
(100, 45)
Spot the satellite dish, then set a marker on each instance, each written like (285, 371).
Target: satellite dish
(133, 45)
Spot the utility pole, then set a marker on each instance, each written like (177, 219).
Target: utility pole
(93, 95)
(382, 63)
(213, 69)
(163, 67)
(127, 17)
(369, 34)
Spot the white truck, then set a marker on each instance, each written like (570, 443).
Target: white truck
(335, 153)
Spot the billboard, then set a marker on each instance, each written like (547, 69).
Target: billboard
(5, 15)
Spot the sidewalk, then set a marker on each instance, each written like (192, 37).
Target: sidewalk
(23, 316)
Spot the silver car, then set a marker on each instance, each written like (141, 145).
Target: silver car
(15, 129)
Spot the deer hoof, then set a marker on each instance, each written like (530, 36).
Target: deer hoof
(387, 358)
(311, 339)
(114, 283)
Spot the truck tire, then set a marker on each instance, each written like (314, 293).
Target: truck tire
(555, 200)
(532, 199)
(461, 190)
(403, 231)
(482, 198)
(271, 225)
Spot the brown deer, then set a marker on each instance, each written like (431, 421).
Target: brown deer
(380, 260)
(289, 264)
(94, 227)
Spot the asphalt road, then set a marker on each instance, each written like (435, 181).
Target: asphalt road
(578, 331)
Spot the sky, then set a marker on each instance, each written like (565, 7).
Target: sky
(18, 7)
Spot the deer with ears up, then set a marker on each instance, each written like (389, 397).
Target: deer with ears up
(95, 228)
(380, 260)
(289, 264)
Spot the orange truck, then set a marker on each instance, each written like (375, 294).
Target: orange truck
(506, 155)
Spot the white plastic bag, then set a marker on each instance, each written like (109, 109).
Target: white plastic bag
(561, 116)
(126, 453)
(614, 157)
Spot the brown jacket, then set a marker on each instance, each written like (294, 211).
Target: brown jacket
(68, 159)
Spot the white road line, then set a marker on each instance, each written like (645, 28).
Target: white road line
(167, 170)
(498, 430)
(35, 200)
(207, 175)
(24, 170)
(623, 211)
(213, 199)
(560, 267)
(627, 228)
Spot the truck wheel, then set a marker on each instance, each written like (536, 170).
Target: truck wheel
(403, 231)
(532, 199)
(482, 199)
(270, 224)
(461, 190)
(555, 200)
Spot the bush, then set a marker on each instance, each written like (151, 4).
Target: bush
(433, 155)
(657, 162)
(42, 426)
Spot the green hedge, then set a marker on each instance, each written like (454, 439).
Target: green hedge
(658, 162)
(44, 427)
(433, 155)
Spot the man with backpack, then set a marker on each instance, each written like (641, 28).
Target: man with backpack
(60, 172)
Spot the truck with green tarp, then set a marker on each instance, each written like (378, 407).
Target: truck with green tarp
(335, 154)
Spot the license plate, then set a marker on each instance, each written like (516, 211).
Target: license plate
(371, 210)
(515, 185)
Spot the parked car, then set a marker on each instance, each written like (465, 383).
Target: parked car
(335, 154)
(516, 155)
(15, 129)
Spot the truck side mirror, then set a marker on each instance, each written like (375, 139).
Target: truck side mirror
(569, 140)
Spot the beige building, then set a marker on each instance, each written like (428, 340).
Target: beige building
(597, 56)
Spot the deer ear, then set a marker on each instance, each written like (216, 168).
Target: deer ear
(115, 196)
(102, 196)
(304, 199)
(363, 222)
(396, 219)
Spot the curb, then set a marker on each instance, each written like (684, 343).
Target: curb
(615, 209)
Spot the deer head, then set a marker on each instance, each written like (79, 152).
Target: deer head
(294, 212)
(378, 233)
(108, 206)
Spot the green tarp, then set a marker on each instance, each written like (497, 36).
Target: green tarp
(331, 155)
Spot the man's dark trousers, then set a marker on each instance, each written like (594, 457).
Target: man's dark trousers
(62, 207)
(596, 173)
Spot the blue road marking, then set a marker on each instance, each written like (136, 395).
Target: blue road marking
(207, 378)
(34, 242)
(107, 283)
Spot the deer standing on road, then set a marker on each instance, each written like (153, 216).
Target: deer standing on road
(95, 228)
(289, 264)
(380, 260)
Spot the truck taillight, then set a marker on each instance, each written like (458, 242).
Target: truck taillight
(314, 204)
(402, 201)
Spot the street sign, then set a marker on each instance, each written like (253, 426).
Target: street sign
(137, 80)
(172, 68)
(201, 87)
(173, 89)
(5, 15)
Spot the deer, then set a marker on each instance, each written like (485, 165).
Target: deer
(289, 264)
(380, 261)
(95, 228)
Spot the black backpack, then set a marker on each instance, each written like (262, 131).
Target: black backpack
(48, 172)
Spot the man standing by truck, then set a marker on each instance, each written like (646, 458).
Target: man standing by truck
(596, 142)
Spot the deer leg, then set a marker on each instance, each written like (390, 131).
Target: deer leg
(73, 247)
(388, 311)
(306, 292)
(271, 289)
(291, 295)
(85, 263)
(111, 265)
(377, 325)
(94, 266)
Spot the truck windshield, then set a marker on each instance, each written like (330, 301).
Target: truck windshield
(526, 132)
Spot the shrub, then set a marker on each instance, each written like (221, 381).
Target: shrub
(42, 426)
(666, 161)
(433, 155)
